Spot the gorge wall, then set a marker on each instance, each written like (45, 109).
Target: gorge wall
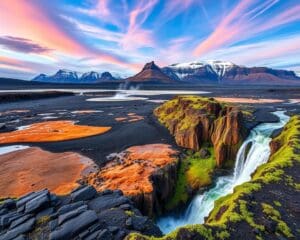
(197, 121)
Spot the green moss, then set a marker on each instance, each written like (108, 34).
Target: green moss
(223, 235)
(172, 110)
(129, 213)
(194, 173)
(43, 220)
(225, 206)
(277, 203)
(200, 170)
(200, 230)
(273, 214)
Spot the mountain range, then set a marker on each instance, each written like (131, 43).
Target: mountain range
(208, 72)
(67, 76)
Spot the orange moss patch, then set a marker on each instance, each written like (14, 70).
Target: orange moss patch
(51, 131)
(248, 100)
(34, 169)
(132, 172)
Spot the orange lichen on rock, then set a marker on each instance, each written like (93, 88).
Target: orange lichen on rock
(247, 100)
(33, 169)
(51, 131)
(131, 171)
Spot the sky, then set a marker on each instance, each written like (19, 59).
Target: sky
(120, 36)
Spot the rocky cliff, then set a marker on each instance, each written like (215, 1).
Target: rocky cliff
(267, 207)
(147, 174)
(197, 121)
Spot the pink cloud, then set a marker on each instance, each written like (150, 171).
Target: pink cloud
(34, 24)
(243, 22)
(14, 64)
(136, 36)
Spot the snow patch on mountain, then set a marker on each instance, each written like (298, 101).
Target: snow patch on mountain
(185, 69)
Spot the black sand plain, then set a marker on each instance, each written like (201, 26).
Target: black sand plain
(125, 134)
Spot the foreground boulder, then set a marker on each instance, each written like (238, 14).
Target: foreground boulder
(84, 214)
(197, 121)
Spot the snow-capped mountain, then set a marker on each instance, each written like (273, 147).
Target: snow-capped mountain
(90, 77)
(67, 76)
(212, 71)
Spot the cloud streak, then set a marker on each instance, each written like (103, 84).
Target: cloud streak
(22, 45)
(243, 22)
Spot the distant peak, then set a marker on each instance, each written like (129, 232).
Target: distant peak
(151, 65)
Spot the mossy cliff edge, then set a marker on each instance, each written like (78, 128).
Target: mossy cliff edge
(267, 207)
(196, 121)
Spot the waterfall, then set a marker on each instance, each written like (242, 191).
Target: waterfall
(245, 165)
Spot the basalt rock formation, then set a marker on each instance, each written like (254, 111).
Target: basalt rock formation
(83, 214)
(147, 174)
(267, 207)
(196, 121)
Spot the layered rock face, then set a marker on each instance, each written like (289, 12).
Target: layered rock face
(84, 214)
(196, 121)
(146, 173)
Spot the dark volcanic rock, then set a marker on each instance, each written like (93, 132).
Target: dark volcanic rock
(84, 214)
(20, 229)
(75, 225)
(85, 193)
(107, 201)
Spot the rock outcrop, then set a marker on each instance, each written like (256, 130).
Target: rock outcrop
(195, 121)
(147, 174)
(84, 214)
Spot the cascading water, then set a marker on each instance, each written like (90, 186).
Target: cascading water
(202, 204)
